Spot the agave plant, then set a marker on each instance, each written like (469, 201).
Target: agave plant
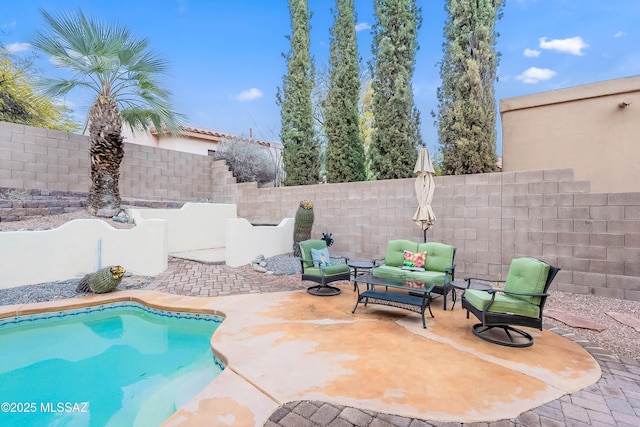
(122, 72)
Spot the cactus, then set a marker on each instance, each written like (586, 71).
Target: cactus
(102, 281)
(303, 225)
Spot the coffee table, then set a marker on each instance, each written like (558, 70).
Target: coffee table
(418, 301)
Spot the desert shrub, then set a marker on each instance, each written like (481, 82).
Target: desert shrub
(249, 161)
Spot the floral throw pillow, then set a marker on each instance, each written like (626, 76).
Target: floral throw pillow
(320, 257)
(414, 261)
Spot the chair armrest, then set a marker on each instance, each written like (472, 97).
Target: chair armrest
(346, 260)
(449, 272)
(302, 261)
(469, 279)
(494, 292)
(523, 294)
(375, 261)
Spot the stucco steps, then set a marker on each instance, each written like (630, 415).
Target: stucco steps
(213, 256)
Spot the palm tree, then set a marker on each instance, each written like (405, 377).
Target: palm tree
(122, 71)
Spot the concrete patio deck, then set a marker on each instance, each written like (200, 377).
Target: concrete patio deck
(290, 346)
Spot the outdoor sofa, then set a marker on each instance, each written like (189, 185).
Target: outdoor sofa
(404, 260)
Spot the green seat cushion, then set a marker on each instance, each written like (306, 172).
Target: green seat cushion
(439, 255)
(395, 251)
(502, 304)
(328, 270)
(390, 272)
(527, 275)
(435, 277)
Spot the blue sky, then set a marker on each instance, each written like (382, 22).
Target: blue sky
(226, 55)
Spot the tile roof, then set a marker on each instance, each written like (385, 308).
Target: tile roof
(223, 135)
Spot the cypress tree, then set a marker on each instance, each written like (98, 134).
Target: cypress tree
(467, 111)
(396, 120)
(300, 154)
(345, 151)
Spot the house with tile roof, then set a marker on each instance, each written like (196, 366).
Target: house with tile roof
(194, 140)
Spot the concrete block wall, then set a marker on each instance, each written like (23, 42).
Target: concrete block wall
(35, 158)
(490, 218)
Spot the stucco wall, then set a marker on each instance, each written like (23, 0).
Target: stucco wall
(582, 127)
(79, 247)
(491, 218)
(192, 227)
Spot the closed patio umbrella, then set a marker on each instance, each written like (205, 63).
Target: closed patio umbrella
(424, 216)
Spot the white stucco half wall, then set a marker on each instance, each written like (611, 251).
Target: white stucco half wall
(79, 247)
(246, 241)
(192, 227)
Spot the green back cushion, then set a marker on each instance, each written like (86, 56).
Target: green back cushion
(439, 255)
(395, 251)
(527, 275)
(305, 250)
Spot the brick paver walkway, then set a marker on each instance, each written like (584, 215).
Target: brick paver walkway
(613, 401)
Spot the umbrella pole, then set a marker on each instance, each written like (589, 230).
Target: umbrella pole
(424, 236)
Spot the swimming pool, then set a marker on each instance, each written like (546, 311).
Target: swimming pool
(113, 364)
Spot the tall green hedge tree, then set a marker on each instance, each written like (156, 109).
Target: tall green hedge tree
(396, 132)
(345, 151)
(301, 150)
(466, 101)
(121, 71)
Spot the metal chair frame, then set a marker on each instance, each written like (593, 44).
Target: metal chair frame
(491, 321)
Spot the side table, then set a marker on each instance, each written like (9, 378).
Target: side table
(462, 285)
(363, 266)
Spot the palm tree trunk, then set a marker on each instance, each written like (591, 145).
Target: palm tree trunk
(106, 153)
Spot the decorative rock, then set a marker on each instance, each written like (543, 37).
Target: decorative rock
(107, 213)
(123, 219)
(262, 264)
(260, 257)
(255, 261)
(573, 321)
(259, 269)
(626, 319)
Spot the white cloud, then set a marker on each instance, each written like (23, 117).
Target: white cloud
(619, 34)
(535, 75)
(249, 95)
(362, 26)
(573, 45)
(17, 47)
(11, 24)
(531, 53)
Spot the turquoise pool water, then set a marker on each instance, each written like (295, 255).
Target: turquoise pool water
(119, 364)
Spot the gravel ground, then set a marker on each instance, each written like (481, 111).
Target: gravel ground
(617, 338)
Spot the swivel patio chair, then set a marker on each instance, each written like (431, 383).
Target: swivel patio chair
(520, 303)
(317, 267)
